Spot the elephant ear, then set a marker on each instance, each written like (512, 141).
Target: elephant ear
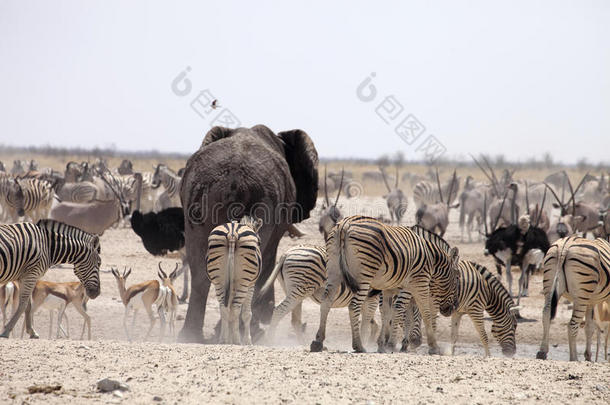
(302, 159)
(215, 134)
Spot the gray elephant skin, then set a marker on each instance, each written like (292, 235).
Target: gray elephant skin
(237, 172)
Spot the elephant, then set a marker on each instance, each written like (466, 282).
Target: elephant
(237, 172)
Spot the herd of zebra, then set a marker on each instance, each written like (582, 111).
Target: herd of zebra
(409, 272)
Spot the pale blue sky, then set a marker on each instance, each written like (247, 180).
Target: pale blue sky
(518, 77)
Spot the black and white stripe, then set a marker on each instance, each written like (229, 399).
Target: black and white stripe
(369, 255)
(233, 266)
(578, 269)
(28, 250)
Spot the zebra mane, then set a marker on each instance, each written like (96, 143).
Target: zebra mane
(431, 237)
(65, 229)
(496, 287)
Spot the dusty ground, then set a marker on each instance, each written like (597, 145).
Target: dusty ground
(287, 372)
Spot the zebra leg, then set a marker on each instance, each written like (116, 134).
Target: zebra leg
(355, 309)
(578, 312)
(297, 321)
(546, 326)
(234, 313)
(246, 317)
(423, 303)
(368, 322)
(590, 327)
(383, 341)
(456, 317)
(329, 293)
(224, 324)
(477, 320)
(293, 298)
(25, 304)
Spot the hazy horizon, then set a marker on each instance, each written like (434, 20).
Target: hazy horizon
(517, 79)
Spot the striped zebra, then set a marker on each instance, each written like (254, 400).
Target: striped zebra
(578, 269)
(426, 192)
(166, 177)
(11, 198)
(301, 271)
(37, 198)
(369, 255)
(478, 291)
(28, 250)
(233, 266)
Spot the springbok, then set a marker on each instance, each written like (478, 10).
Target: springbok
(150, 292)
(56, 297)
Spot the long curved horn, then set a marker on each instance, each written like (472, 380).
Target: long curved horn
(554, 195)
(385, 180)
(573, 192)
(161, 271)
(484, 172)
(527, 200)
(493, 228)
(340, 186)
(325, 188)
(438, 184)
(453, 184)
(396, 186)
(541, 207)
(485, 213)
(493, 174)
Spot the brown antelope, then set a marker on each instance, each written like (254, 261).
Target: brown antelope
(57, 296)
(145, 295)
(9, 296)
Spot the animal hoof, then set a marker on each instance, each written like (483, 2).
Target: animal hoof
(541, 355)
(587, 356)
(316, 346)
(434, 350)
(359, 350)
(381, 349)
(415, 342)
(404, 348)
(34, 336)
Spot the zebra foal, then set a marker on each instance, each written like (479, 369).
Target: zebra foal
(28, 250)
(301, 272)
(233, 266)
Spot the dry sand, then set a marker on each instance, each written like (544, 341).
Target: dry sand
(287, 372)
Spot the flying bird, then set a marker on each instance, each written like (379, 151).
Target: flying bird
(215, 104)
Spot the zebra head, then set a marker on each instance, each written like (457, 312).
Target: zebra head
(157, 176)
(16, 197)
(88, 268)
(449, 302)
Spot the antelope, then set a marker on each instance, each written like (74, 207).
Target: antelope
(9, 296)
(56, 297)
(435, 217)
(396, 199)
(150, 293)
(330, 214)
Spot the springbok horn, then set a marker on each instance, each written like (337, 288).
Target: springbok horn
(340, 186)
(161, 271)
(325, 188)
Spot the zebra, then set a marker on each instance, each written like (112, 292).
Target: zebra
(426, 192)
(11, 198)
(302, 273)
(478, 291)
(27, 251)
(579, 269)
(233, 266)
(367, 254)
(38, 197)
(165, 176)
(395, 199)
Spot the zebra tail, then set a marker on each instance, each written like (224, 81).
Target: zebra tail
(349, 280)
(276, 270)
(560, 270)
(230, 272)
